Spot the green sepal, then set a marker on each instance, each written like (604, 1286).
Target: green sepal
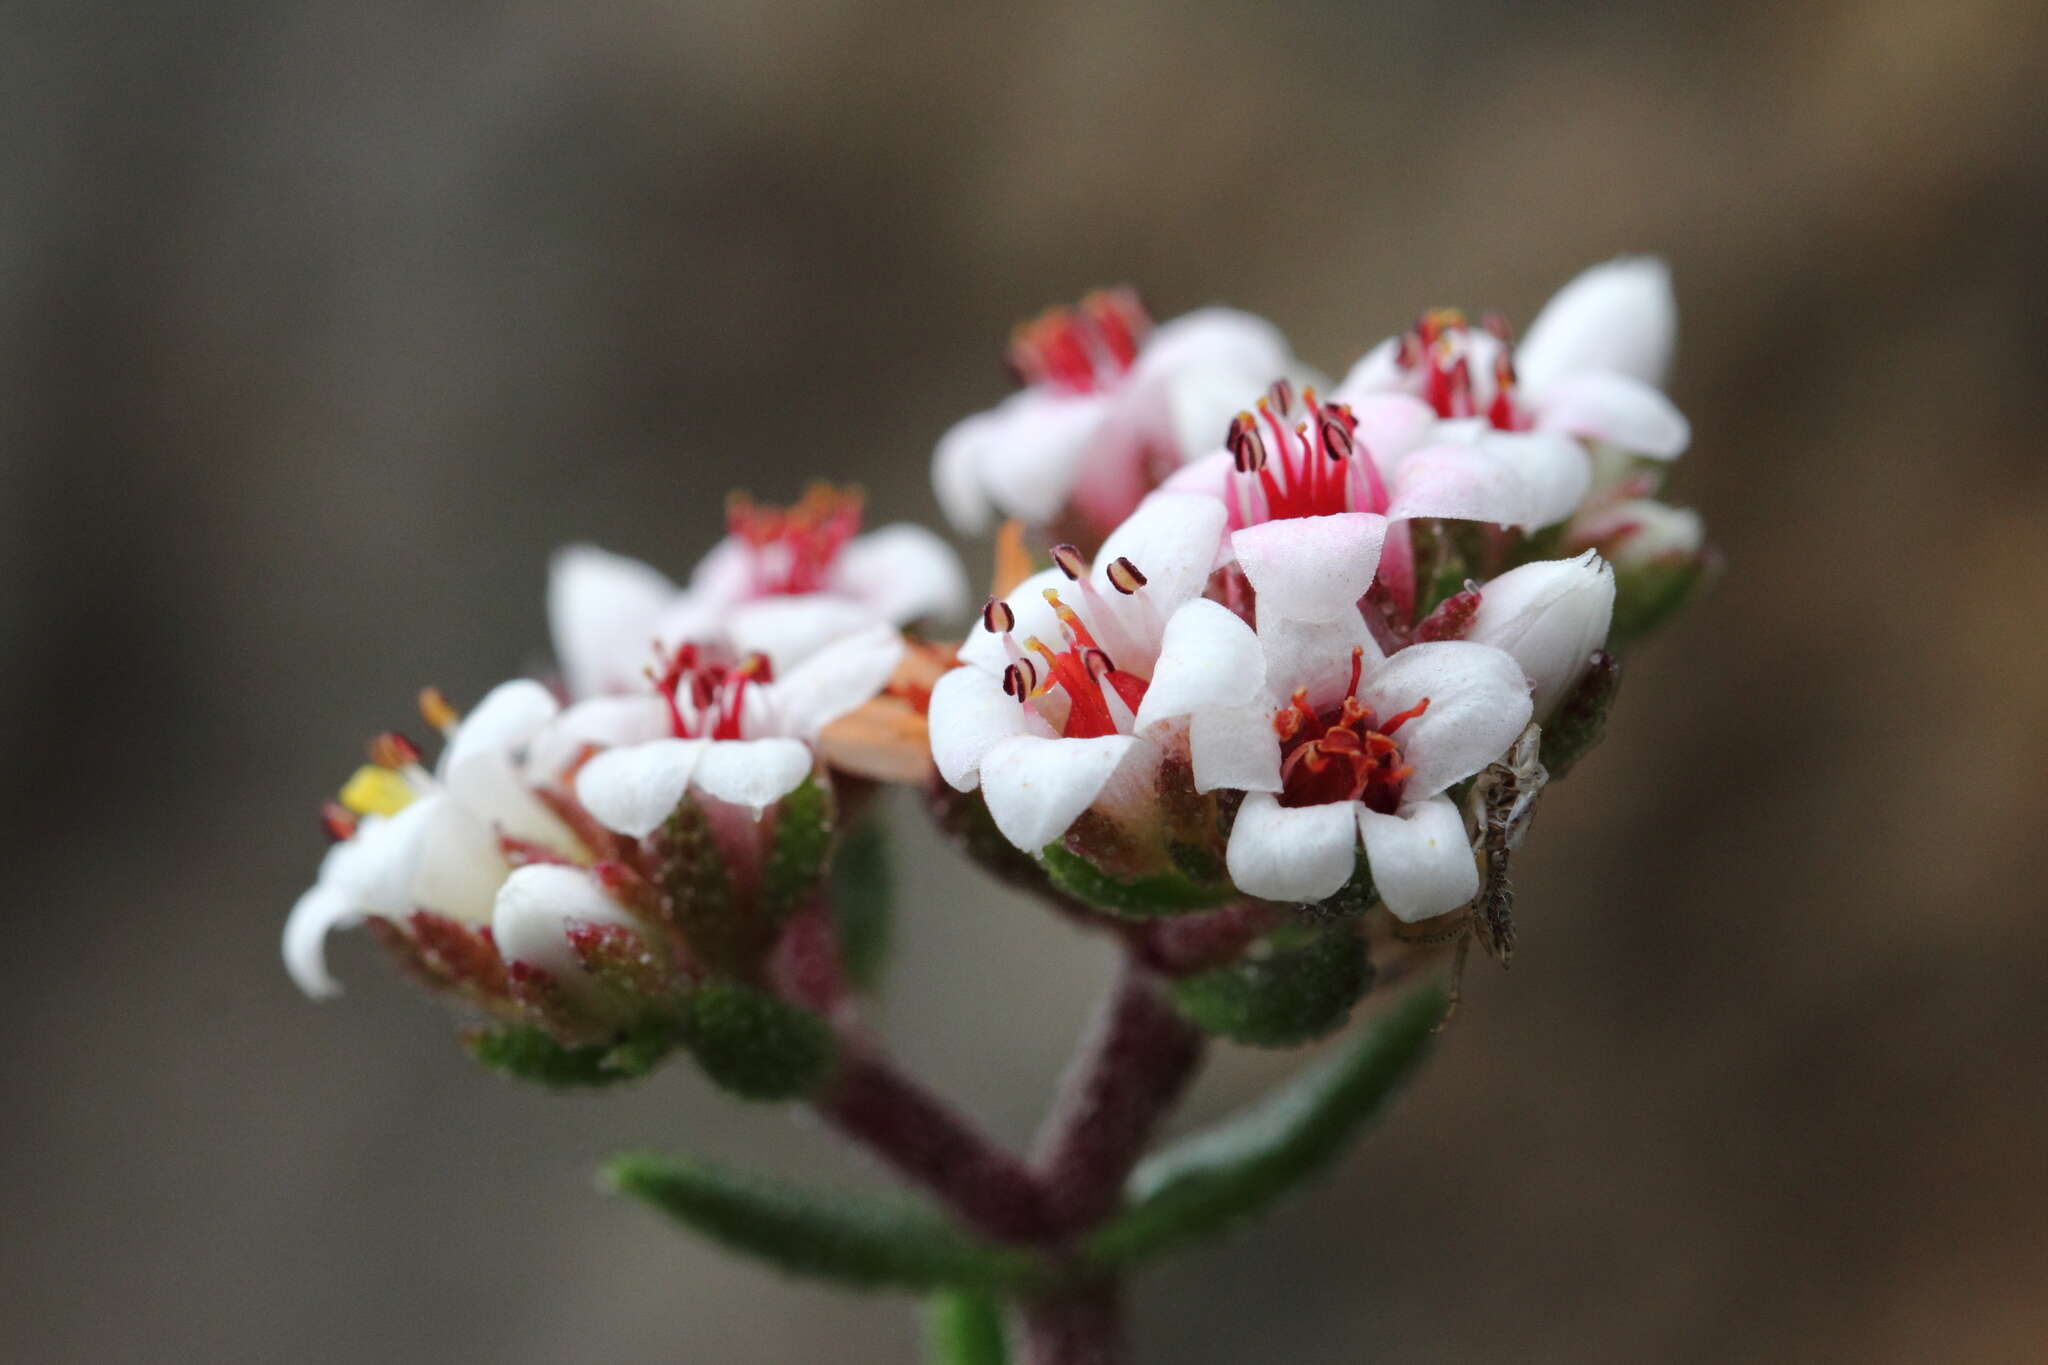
(1581, 716)
(862, 892)
(796, 853)
(533, 1054)
(964, 1328)
(1300, 988)
(1157, 896)
(857, 1240)
(1197, 1187)
(1647, 595)
(754, 1044)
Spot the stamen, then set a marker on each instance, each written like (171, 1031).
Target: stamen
(1282, 394)
(338, 820)
(1247, 448)
(1396, 722)
(436, 712)
(1069, 560)
(1125, 576)
(998, 617)
(393, 750)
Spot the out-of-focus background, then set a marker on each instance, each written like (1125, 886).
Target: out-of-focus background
(324, 322)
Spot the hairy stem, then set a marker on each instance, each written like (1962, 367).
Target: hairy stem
(1083, 1326)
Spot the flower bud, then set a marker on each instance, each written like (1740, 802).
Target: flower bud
(576, 957)
(1550, 616)
(1639, 532)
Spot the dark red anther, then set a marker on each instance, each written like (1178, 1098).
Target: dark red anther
(1070, 561)
(338, 820)
(1125, 576)
(998, 617)
(1452, 616)
(1281, 392)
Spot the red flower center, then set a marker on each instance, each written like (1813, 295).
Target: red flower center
(1342, 753)
(793, 548)
(1300, 461)
(1439, 355)
(1081, 349)
(707, 699)
(1078, 688)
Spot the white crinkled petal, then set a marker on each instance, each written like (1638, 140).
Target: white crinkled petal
(606, 722)
(1421, 862)
(374, 867)
(1550, 616)
(1620, 316)
(1208, 476)
(1035, 616)
(789, 630)
(1478, 704)
(1316, 655)
(320, 911)
(509, 716)
(460, 866)
(1292, 853)
(634, 789)
(753, 772)
(1235, 748)
(1461, 481)
(1036, 788)
(1311, 568)
(535, 907)
(1554, 470)
(495, 791)
(904, 573)
(1624, 412)
(601, 610)
(845, 674)
(1172, 538)
(970, 714)
(1208, 657)
(1390, 427)
(1030, 453)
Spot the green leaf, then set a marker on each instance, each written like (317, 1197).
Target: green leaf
(796, 856)
(862, 892)
(863, 1241)
(962, 1328)
(533, 1054)
(1197, 1187)
(1298, 990)
(754, 1044)
(1153, 897)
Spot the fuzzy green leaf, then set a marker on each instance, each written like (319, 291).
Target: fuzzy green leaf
(796, 856)
(1200, 1185)
(533, 1054)
(963, 1328)
(862, 891)
(754, 1044)
(862, 1241)
(1154, 897)
(1293, 993)
(1581, 717)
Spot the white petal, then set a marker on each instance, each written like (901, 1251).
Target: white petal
(535, 908)
(970, 714)
(1478, 703)
(320, 910)
(606, 722)
(460, 866)
(634, 789)
(1036, 788)
(838, 678)
(956, 473)
(903, 573)
(601, 610)
(729, 574)
(1235, 748)
(510, 715)
(1618, 316)
(1554, 470)
(753, 772)
(1421, 862)
(1601, 405)
(374, 868)
(1208, 657)
(1461, 481)
(1375, 372)
(1034, 614)
(790, 630)
(1641, 531)
(1031, 452)
(1311, 568)
(1292, 853)
(1550, 616)
(1172, 538)
(1316, 655)
(1390, 426)
(495, 792)
(1208, 476)
(1226, 339)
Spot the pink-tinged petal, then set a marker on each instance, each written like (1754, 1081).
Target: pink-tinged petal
(1209, 476)
(1208, 657)
(752, 772)
(1641, 531)
(508, 717)
(634, 790)
(1311, 568)
(1316, 655)
(1463, 482)
(1554, 470)
(984, 649)
(1377, 371)
(320, 911)
(1031, 457)
(1172, 538)
(1626, 413)
(727, 575)
(971, 714)
(1619, 316)
(1478, 704)
(1036, 788)
(790, 630)
(1235, 748)
(1292, 853)
(1549, 616)
(956, 472)
(534, 910)
(903, 573)
(1390, 426)
(459, 868)
(601, 611)
(838, 678)
(603, 722)
(1421, 862)
(1215, 339)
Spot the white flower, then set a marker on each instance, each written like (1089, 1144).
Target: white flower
(784, 582)
(1637, 532)
(1334, 743)
(1551, 616)
(1043, 713)
(1107, 410)
(742, 733)
(536, 911)
(430, 842)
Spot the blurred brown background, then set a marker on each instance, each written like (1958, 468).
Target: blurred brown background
(324, 322)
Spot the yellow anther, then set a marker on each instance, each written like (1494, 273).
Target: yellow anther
(436, 712)
(376, 791)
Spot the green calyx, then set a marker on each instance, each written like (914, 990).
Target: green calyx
(754, 1044)
(1298, 986)
(531, 1053)
(1156, 896)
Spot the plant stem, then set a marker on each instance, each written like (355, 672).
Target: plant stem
(1083, 1326)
